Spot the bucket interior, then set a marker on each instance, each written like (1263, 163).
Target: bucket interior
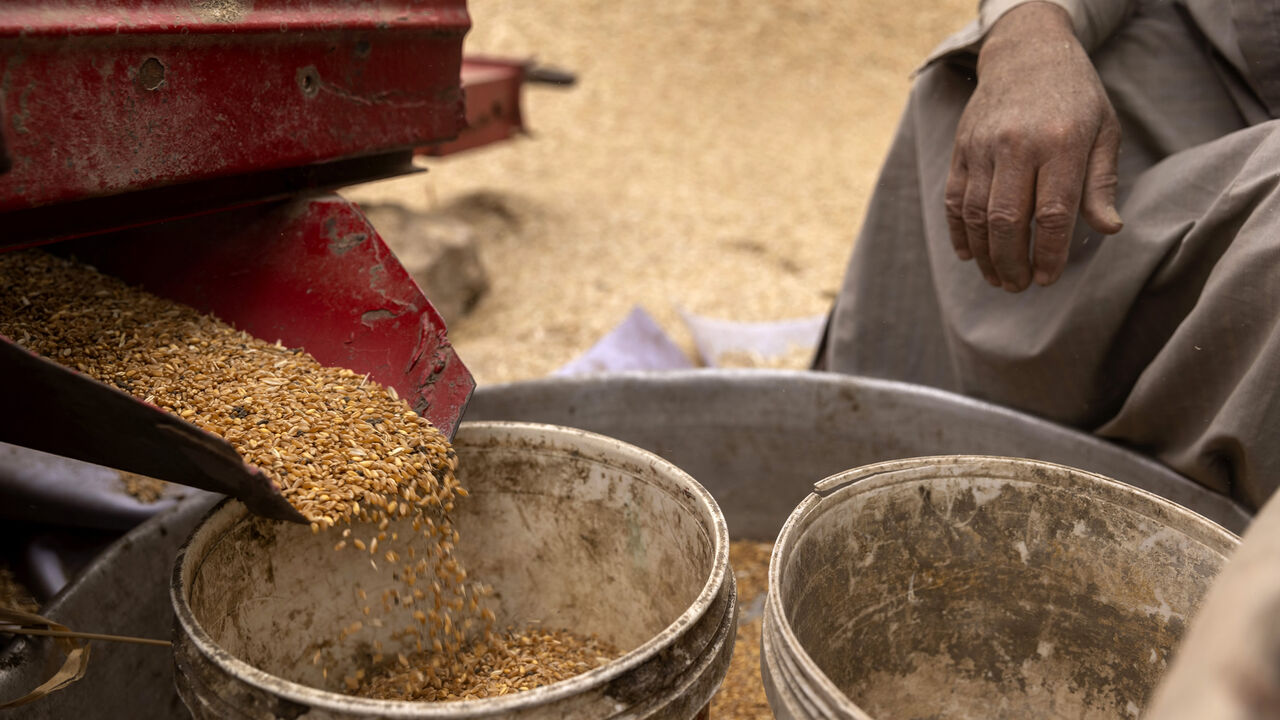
(571, 532)
(1031, 591)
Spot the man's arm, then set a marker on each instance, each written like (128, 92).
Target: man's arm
(1093, 20)
(1037, 141)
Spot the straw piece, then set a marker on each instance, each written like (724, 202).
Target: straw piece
(72, 669)
(5, 628)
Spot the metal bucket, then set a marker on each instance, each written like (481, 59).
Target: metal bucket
(572, 529)
(980, 587)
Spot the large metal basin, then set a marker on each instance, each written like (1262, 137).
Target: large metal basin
(757, 440)
(126, 592)
(760, 439)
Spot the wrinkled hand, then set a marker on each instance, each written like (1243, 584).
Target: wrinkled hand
(1037, 141)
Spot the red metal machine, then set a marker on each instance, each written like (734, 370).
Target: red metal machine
(185, 146)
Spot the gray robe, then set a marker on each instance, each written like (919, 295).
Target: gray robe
(1164, 337)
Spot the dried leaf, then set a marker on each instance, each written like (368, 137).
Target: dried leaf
(73, 667)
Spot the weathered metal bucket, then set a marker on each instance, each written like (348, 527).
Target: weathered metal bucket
(571, 529)
(980, 587)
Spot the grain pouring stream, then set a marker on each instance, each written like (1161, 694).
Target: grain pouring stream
(347, 452)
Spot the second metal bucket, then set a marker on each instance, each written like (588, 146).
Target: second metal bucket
(573, 530)
(980, 587)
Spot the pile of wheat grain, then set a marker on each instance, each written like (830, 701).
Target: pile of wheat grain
(503, 663)
(741, 696)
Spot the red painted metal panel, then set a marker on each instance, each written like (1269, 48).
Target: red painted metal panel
(492, 91)
(112, 17)
(102, 97)
(312, 273)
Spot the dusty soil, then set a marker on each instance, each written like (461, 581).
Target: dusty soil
(715, 156)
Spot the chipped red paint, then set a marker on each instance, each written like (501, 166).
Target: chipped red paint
(311, 273)
(99, 97)
(492, 90)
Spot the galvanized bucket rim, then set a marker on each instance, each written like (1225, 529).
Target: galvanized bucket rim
(892, 472)
(487, 707)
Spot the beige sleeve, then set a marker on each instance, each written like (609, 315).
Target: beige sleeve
(1227, 666)
(1094, 21)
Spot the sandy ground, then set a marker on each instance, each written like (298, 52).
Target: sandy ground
(715, 156)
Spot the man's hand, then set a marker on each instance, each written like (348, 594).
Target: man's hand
(1038, 140)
